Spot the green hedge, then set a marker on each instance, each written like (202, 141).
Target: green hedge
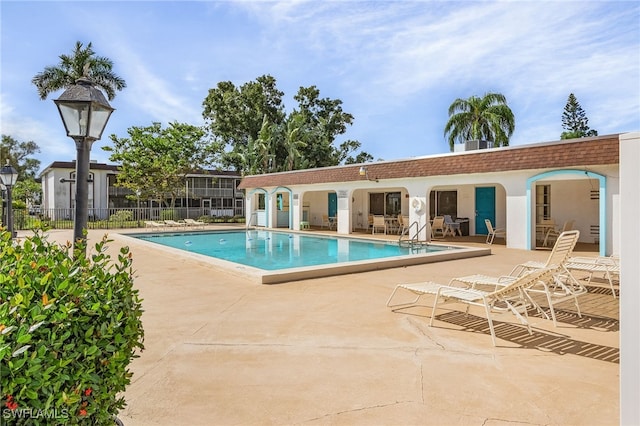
(69, 328)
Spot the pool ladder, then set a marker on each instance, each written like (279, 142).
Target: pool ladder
(407, 240)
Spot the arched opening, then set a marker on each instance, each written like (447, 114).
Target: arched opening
(284, 207)
(586, 198)
(259, 207)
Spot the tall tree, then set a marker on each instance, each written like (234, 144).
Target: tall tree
(294, 140)
(20, 157)
(251, 121)
(82, 62)
(487, 118)
(154, 161)
(325, 120)
(575, 121)
(235, 115)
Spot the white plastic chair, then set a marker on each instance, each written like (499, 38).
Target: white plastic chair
(438, 226)
(552, 233)
(493, 232)
(451, 226)
(379, 222)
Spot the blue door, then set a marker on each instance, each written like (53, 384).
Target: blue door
(485, 208)
(333, 204)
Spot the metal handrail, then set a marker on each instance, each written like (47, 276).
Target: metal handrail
(413, 239)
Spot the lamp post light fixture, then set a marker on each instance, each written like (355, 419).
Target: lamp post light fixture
(84, 111)
(364, 172)
(9, 176)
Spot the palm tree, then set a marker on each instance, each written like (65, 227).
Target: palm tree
(81, 63)
(487, 118)
(294, 140)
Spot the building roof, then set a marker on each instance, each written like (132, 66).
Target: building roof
(115, 168)
(600, 150)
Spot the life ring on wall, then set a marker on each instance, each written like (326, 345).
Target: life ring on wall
(416, 204)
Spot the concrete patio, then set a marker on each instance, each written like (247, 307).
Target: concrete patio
(221, 350)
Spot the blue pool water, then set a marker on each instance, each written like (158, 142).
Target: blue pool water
(269, 250)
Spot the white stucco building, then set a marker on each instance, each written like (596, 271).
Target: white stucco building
(514, 187)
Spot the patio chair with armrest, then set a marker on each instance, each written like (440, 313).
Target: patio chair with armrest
(451, 226)
(403, 223)
(553, 233)
(378, 223)
(325, 221)
(494, 232)
(438, 226)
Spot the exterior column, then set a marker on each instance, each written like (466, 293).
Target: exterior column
(343, 215)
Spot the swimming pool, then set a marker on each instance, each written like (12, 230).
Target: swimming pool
(274, 251)
(285, 256)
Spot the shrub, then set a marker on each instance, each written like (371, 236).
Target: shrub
(69, 327)
(121, 216)
(168, 214)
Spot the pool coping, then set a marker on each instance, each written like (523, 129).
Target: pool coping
(262, 276)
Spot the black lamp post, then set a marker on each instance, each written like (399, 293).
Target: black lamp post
(9, 176)
(85, 112)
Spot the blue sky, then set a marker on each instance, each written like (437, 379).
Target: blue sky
(396, 65)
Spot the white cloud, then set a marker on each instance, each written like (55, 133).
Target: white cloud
(23, 128)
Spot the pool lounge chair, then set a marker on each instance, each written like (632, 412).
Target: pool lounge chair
(153, 224)
(194, 223)
(174, 224)
(561, 287)
(608, 266)
(510, 298)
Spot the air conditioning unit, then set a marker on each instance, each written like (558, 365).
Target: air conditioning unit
(476, 144)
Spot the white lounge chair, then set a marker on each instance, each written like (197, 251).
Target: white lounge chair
(153, 224)
(494, 232)
(194, 223)
(563, 285)
(174, 224)
(510, 298)
(608, 266)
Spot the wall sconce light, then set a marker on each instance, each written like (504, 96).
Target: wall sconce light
(365, 173)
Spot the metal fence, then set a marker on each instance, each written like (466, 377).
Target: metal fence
(113, 218)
